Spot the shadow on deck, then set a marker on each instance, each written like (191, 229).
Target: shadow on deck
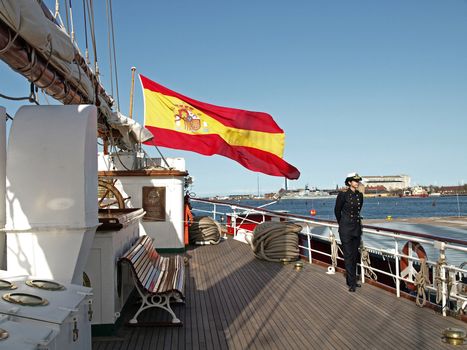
(235, 301)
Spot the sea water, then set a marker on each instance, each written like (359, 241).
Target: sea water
(373, 208)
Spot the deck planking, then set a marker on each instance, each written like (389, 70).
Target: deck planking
(235, 301)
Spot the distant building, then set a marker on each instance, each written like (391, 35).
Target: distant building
(390, 182)
(375, 190)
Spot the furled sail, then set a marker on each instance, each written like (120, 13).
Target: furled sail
(35, 45)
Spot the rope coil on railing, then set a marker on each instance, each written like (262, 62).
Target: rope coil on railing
(421, 280)
(366, 262)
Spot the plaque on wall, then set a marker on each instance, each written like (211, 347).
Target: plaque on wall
(154, 203)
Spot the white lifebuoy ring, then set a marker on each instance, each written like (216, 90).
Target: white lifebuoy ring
(406, 267)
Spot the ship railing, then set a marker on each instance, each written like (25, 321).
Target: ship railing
(448, 280)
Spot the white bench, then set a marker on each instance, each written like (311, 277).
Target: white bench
(159, 280)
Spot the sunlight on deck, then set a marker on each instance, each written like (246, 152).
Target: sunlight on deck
(235, 301)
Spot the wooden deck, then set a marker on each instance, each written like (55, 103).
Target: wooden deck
(234, 301)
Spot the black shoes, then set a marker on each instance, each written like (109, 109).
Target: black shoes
(354, 288)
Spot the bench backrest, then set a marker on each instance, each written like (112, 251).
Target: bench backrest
(153, 272)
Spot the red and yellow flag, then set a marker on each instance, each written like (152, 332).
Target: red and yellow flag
(251, 138)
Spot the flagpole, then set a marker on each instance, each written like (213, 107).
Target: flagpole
(133, 70)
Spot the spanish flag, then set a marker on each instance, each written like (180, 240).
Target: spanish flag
(253, 139)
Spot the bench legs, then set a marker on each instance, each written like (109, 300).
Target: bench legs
(155, 300)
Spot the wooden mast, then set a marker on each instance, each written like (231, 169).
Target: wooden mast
(133, 70)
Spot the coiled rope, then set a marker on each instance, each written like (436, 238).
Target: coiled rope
(421, 280)
(366, 262)
(276, 241)
(204, 230)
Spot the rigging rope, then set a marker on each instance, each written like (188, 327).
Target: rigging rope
(367, 264)
(72, 24)
(421, 280)
(115, 152)
(115, 56)
(57, 9)
(10, 40)
(86, 33)
(67, 17)
(93, 36)
(109, 47)
(6, 97)
(31, 98)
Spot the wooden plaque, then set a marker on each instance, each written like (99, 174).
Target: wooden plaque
(154, 203)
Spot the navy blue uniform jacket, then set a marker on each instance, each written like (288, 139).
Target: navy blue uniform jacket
(347, 211)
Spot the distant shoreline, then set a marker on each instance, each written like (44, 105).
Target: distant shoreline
(241, 198)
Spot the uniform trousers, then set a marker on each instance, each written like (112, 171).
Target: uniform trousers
(350, 245)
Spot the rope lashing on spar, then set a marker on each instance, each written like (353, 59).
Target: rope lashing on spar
(204, 230)
(422, 278)
(276, 241)
(366, 262)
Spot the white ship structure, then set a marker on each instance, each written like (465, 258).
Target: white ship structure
(308, 193)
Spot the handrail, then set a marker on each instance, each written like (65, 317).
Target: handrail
(333, 222)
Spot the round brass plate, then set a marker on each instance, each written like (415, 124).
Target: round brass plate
(454, 336)
(47, 285)
(3, 334)
(6, 285)
(453, 341)
(298, 266)
(24, 299)
(452, 332)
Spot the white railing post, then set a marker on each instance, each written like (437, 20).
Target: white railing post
(397, 260)
(362, 268)
(214, 212)
(442, 266)
(308, 235)
(234, 221)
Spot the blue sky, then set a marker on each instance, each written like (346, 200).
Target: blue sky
(377, 87)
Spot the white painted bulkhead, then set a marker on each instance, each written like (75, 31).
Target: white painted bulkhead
(2, 185)
(169, 233)
(51, 204)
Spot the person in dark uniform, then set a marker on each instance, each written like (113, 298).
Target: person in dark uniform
(347, 211)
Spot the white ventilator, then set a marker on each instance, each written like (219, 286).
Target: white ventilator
(51, 208)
